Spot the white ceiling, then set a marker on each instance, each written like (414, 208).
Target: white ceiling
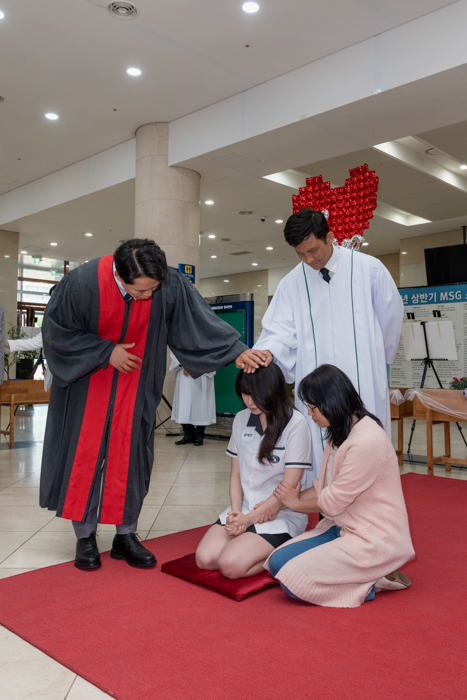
(70, 56)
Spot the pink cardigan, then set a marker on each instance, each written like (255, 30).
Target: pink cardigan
(364, 498)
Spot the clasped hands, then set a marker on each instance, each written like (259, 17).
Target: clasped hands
(237, 522)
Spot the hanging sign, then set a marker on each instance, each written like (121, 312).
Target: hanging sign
(188, 271)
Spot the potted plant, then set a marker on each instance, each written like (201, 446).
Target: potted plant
(23, 360)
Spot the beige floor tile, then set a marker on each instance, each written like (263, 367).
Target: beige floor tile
(190, 478)
(9, 480)
(159, 533)
(82, 690)
(219, 466)
(177, 518)
(11, 542)
(17, 518)
(198, 495)
(163, 478)
(6, 573)
(21, 467)
(49, 548)
(155, 496)
(167, 465)
(28, 674)
(19, 497)
(31, 481)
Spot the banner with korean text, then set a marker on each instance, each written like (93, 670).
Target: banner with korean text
(450, 303)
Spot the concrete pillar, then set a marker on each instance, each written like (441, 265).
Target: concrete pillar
(166, 210)
(9, 248)
(166, 198)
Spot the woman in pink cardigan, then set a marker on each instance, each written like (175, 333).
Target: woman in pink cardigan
(363, 539)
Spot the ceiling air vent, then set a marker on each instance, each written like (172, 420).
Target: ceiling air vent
(242, 252)
(122, 10)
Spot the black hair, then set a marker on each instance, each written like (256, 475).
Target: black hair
(304, 222)
(140, 257)
(268, 390)
(52, 289)
(334, 395)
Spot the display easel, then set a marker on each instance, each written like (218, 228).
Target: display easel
(418, 338)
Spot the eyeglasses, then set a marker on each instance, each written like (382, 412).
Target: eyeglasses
(308, 407)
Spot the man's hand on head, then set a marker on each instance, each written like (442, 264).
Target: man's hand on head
(250, 360)
(122, 360)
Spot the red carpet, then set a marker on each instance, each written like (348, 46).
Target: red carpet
(145, 635)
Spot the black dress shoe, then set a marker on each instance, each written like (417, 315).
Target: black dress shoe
(87, 555)
(129, 548)
(184, 441)
(198, 442)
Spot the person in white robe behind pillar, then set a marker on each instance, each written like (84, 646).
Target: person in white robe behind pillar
(194, 405)
(335, 307)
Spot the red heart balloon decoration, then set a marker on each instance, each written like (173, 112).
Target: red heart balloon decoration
(350, 207)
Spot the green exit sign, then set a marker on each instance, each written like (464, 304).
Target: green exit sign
(37, 261)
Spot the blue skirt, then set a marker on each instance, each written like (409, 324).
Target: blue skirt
(294, 549)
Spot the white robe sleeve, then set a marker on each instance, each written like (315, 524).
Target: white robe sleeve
(175, 365)
(389, 309)
(279, 334)
(26, 344)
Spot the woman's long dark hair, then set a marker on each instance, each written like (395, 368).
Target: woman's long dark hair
(334, 395)
(268, 390)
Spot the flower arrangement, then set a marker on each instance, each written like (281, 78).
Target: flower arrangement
(459, 384)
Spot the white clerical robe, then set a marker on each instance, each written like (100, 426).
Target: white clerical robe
(194, 399)
(353, 322)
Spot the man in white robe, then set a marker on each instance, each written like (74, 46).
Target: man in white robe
(336, 307)
(194, 404)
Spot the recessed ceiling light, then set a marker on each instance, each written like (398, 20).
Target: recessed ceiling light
(259, 285)
(403, 252)
(269, 248)
(213, 256)
(212, 235)
(51, 115)
(6, 256)
(250, 7)
(463, 167)
(366, 244)
(122, 10)
(279, 221)
(254, 264)
(1, 15)
(23, 252)
(53, 244)
(133, 71)
(88, 234)
(209, 201)
(86, 261)
(226, 280)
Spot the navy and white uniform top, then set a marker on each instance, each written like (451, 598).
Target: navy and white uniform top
(293, 450)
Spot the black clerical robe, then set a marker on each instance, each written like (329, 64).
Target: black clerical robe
(100, 422)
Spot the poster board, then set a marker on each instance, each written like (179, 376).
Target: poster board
(451, 302)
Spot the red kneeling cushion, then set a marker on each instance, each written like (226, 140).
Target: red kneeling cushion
(234, 588)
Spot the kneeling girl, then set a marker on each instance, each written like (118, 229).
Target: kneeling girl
(270, 443)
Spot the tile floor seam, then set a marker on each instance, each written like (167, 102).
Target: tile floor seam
(2, 561)
(71, 686)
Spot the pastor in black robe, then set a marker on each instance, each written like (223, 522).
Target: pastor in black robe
(100, 416)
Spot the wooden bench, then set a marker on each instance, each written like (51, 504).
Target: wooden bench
(21, 392)
(398, 413)
(452, 399)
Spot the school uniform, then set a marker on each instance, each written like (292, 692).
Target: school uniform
(293, 450)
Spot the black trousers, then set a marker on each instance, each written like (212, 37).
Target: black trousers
(193, 431)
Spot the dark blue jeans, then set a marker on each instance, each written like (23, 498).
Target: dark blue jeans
(294, 549)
